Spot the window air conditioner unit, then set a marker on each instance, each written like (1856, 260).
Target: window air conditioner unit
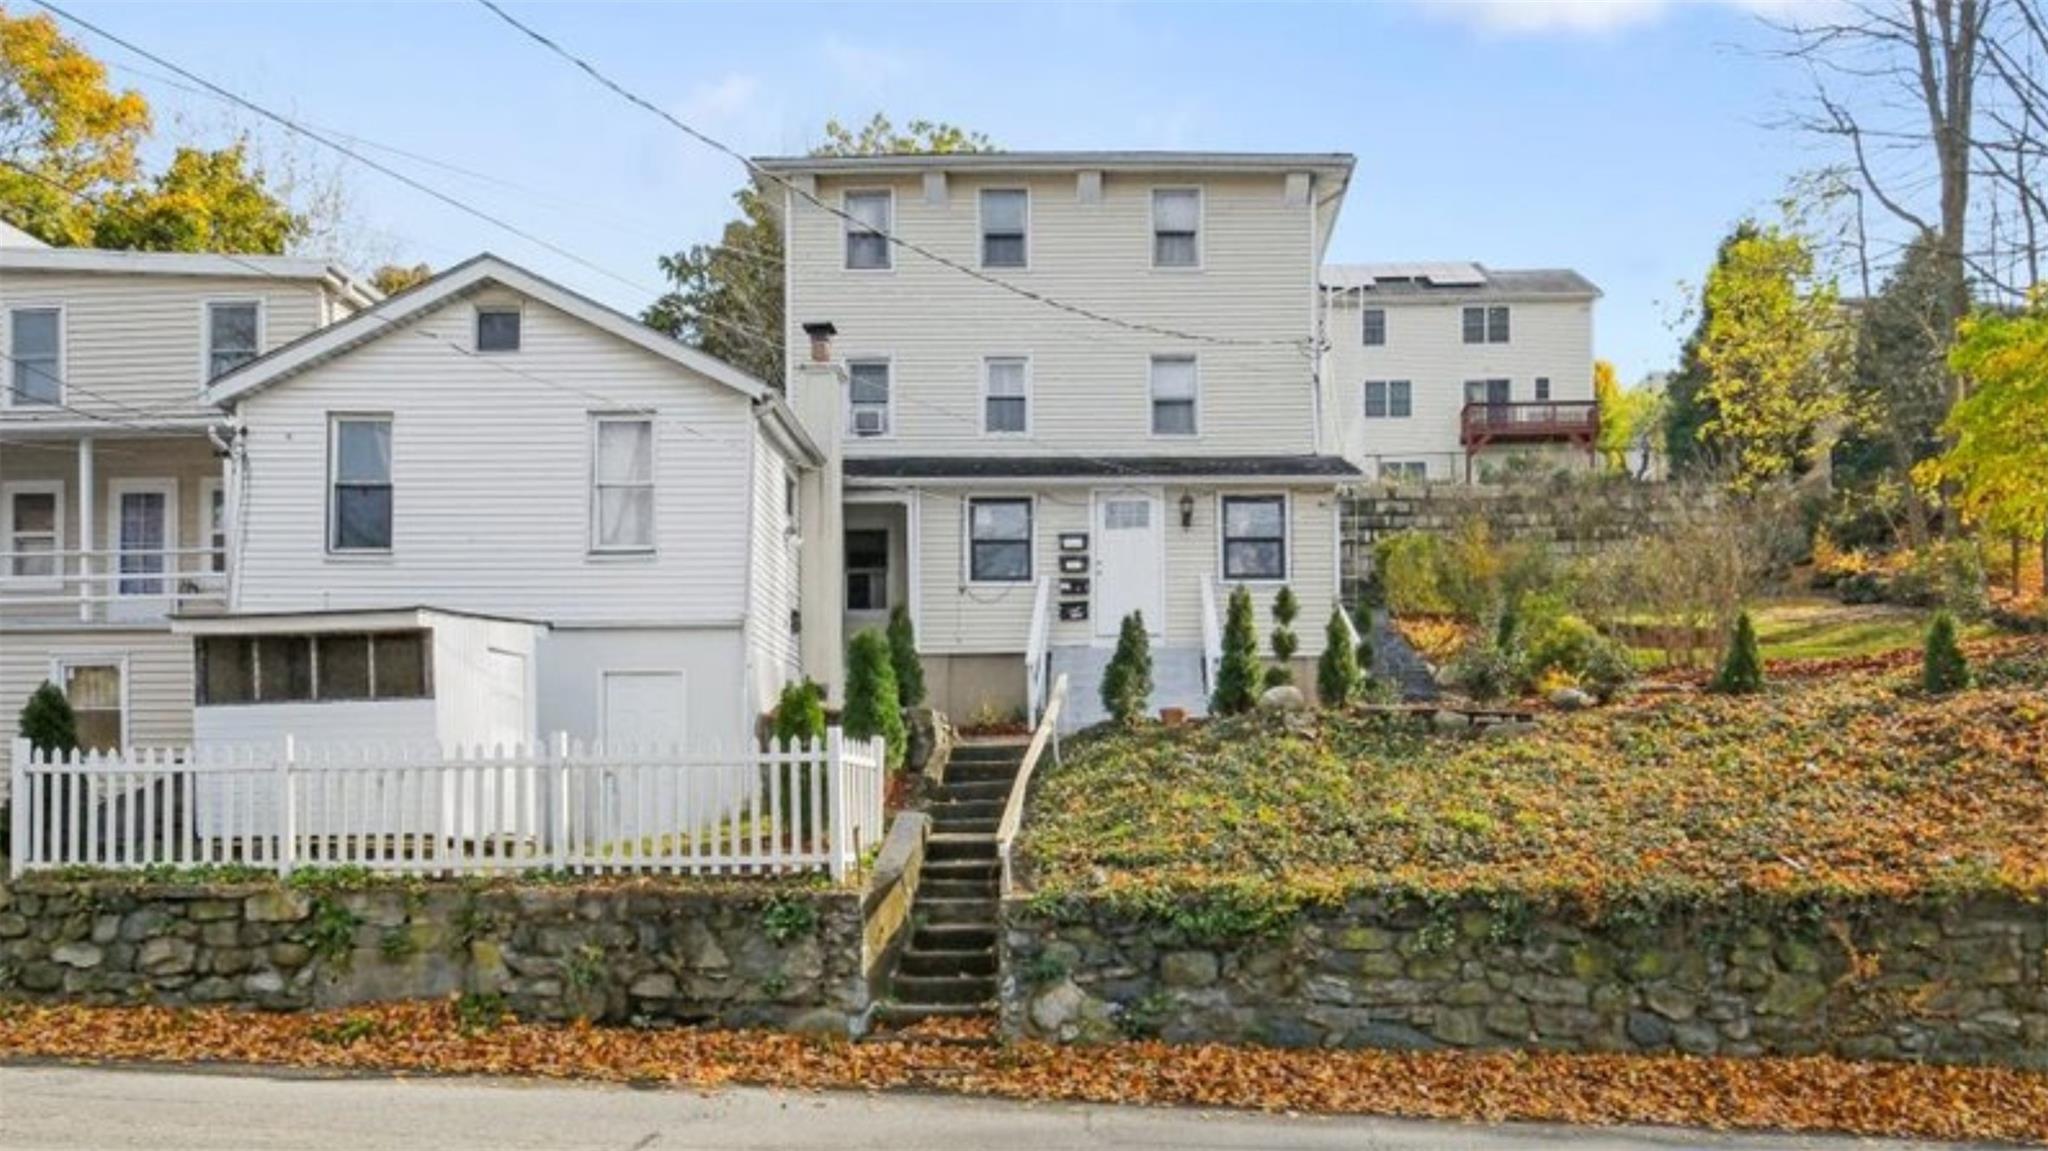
(868, 422)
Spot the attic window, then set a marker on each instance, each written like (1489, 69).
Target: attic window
(497, 329)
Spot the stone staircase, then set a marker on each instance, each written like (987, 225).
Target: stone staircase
(1176, 682)
(949, 966)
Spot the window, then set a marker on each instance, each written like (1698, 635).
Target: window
(1388, 399)
(1176, 228)
(497, 329)
(32, 530)
(234, 335)
(1487, 391)
(1006, 402)
(1484, 325)
(868, 397)
(1254, 537)
(1175, 388)
(360, 473)
(1005, 216)
(867, 240)
(215, 506)
(94, 692)
(1375, 322)
(35, 356)
(622, 491)
(867, 570)
(310, 668)
(999, 541)
(1404, 470)
(1542, 387)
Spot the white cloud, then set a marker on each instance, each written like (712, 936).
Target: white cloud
(1592, 16)
(861, 65)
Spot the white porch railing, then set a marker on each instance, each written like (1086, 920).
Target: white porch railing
(1046, 734)
(1037, 649)
(1350, 626)
(423, 811)
(1212, 638)
(109, 584)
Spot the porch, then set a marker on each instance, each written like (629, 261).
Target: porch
(110, 530)
(1485, 424)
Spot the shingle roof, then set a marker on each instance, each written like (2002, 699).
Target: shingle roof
(1394, 281)
(1089, 467)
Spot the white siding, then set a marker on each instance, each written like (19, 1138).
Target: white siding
(771, 644)
(136, 341)
(158, 684)
(713, 697)
(1425, 345)
(961, 618)
(492, 459)
(1090, 383)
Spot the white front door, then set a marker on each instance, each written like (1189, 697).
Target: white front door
(1128, 575)
(643, 707)
(143, 517)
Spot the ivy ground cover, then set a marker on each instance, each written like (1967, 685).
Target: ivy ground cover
(1850, 783)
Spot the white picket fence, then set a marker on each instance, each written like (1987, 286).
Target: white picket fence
(425, 811)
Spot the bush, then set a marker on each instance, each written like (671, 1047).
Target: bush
(1127, 682)
(47, 721)
(903, 656)
(1483, 671)
(1238, 677)
(1608, 670)
(1285, 642)
(1742, 673)
(1406, 565)
(1338, 676)
(1944, 574)
(800, 714)
(1563, 643)
(872, 707)
(1942, 666)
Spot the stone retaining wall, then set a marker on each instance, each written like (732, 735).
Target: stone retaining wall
(640, 952)
(1956, 983)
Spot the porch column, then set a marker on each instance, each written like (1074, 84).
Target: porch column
(86, 535)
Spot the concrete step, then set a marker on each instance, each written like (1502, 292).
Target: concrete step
(957, 889)
(943, 988)
(982, 911)
(976, 808)
(948, 847)
(905, 1014)
(978, 791)
(977, 870)
(1008, 750)
(980, 963)
(979, 773)
(954, 937)
(1176, 682)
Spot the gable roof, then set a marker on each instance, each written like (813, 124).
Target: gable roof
(464, 279)
(21, 252)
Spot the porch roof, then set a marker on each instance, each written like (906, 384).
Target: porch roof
(1294, 467)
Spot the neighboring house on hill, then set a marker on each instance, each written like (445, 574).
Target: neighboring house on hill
(555, 518)
(1444, 371)
(113, 514)
(1022, 476)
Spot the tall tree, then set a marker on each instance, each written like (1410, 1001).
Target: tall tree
(61, 121)
(726, 298)
(1688, 407)
(1772, 355)
(206, 201)
(1998, 461)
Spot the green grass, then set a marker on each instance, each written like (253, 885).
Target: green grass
(1813, 627)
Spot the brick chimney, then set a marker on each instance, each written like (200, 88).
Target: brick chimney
(821, 341)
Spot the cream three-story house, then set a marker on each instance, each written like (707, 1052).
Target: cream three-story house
(1067, 386)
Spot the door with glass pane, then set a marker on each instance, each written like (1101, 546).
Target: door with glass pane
(142, 517)
(1128, 561)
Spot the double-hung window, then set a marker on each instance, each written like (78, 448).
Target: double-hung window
(359, 475)
(32, 529)
(1005, 220)
(1175, 390)
(95, 693)
(868, 397)
(1543, 387)
(1177, 228)
(1389, 399)
(867, 229)
(867, 569)
(1414, 471)
(234, 335)
(1254, 537)
(999, 540)
(1374, 325)
(1486, 325)
(35, 356)
(622, 484)
(1006, 403)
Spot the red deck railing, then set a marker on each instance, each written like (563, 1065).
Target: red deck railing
(1541, 420)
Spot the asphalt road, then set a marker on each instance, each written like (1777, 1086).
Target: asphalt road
(62, 1108)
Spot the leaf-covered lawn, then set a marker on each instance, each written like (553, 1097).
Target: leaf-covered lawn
(1811, 1094)
(1851, 783)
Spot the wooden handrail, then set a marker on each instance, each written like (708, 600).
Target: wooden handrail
(1047, 733)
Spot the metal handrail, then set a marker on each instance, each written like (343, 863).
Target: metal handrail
(1212, 637)
(1047, 733)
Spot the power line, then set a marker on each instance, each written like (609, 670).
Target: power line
(790, 186)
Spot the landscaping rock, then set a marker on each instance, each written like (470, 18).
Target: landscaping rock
(79, 955)
(1284, 697)
(1570, 699)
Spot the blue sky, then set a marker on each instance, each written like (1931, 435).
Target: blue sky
(1619, 137)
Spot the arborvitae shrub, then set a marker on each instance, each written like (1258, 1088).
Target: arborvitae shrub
(47, 721)
(872, 707)
(1238, 677)
(1127, 682)
(1942, 666)
(1742, 673)
(800, 714)
(903, 654)
(1338, 676)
